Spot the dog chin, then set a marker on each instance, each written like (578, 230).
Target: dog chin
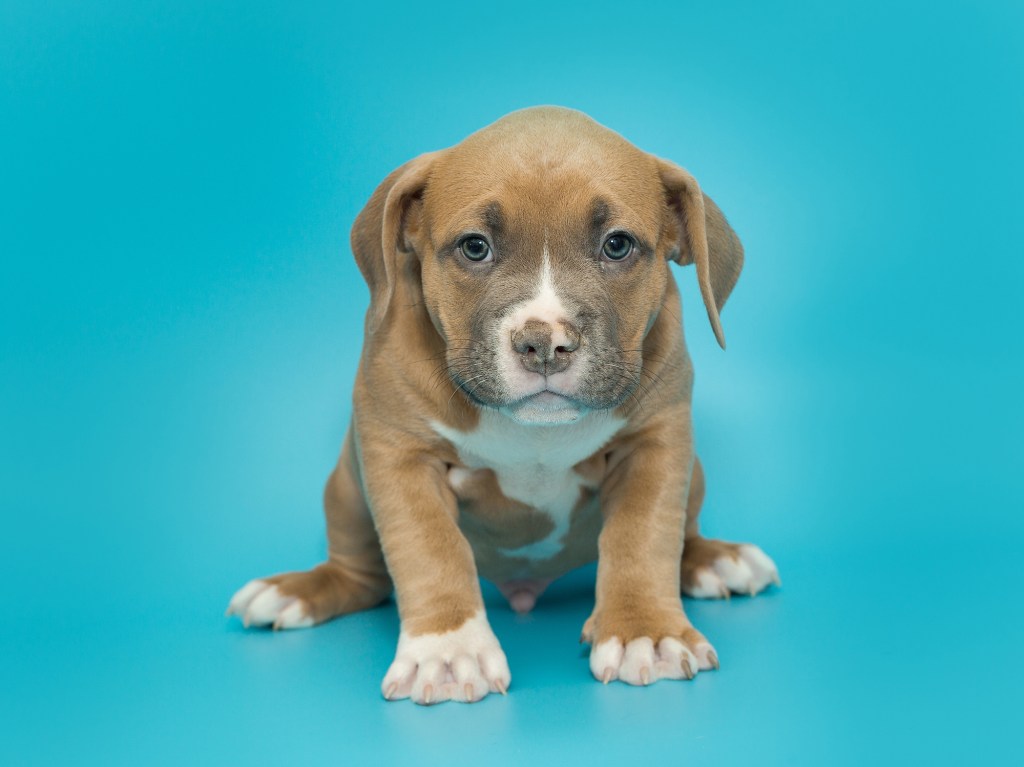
(544, 409)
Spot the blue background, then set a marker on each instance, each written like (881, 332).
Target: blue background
(180, 321)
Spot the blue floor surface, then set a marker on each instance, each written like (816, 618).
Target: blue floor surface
(180, 320)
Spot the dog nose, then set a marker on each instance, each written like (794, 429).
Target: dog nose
(545, 349)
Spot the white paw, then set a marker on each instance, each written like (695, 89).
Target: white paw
(641, 663)
(463, 665)
(753, 572)
(259, 603)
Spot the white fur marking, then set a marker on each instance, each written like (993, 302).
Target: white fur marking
(546, 306)
(736, 573)
(258, 603)
(458, 478)
(463, 665)
(294, 616)
(752, 573)
(605, 658)
(534, 464)
(709, 586)
(240, 601)
(641, 663)
(764, 568)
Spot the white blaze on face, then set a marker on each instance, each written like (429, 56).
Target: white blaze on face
(545, 305)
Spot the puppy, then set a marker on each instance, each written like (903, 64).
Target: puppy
(522, 407)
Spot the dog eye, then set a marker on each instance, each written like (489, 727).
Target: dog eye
(618, 246)
(475, 249)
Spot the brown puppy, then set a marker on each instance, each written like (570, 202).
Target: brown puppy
(523, 407)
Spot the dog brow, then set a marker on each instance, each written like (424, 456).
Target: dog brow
(494, 218)
(599, 214)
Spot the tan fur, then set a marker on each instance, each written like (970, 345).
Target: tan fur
(506, 532)
(392, 513)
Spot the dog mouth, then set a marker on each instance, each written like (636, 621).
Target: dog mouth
(603, 383)
(542, 408)
(545, 408)
(549, 399)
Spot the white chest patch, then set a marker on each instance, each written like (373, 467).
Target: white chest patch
(534, 464)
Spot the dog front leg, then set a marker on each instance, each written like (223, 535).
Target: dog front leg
(638, 631)
(446, 648)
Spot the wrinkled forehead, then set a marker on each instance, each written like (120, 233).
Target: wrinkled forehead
(549, 187)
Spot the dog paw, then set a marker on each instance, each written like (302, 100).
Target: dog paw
(715, 569)
(260, 603)
(462, 665)
(641, 661)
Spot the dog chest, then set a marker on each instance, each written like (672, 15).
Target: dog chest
(533, 465)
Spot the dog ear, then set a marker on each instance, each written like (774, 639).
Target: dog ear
(379, 233)
(704, 238)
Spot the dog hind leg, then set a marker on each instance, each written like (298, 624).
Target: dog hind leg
(353, 578)
(715, 569)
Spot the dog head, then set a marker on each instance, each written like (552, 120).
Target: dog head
(539, 248)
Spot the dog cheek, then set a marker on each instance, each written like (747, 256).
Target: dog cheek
(431, 295)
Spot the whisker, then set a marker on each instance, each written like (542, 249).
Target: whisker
(457, 389)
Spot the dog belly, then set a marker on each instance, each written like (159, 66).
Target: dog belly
(512, 542)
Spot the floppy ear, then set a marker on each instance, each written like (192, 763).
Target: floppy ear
(704, 238)
(379, 232)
